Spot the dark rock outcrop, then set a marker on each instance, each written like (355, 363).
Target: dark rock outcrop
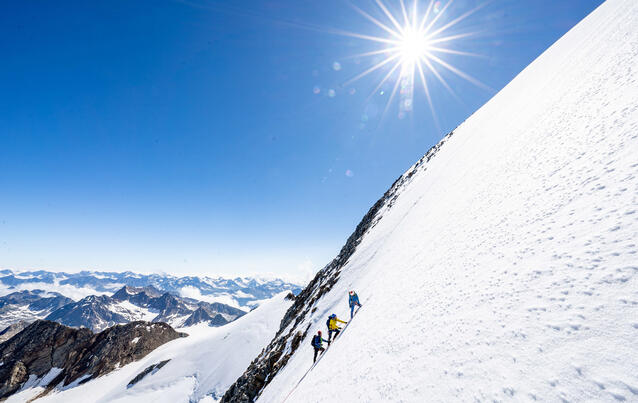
(214, 314)
(140, 296)
(169, 306)
(266, 366)
(203, 315)
(150, 369)
(79, 353)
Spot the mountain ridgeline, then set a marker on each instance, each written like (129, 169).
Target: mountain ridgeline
(215, 301)
(47, 354)
(292, 331)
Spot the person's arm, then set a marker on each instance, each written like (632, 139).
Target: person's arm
(325, 340)
(339, 320)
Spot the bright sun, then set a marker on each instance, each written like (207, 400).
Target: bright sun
(413, 45)
(413, 48)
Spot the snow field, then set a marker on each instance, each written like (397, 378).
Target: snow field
(202, 365)
(508, 268)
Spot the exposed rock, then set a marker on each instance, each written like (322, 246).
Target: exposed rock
(140, 296)
(203, 315)
(169, 306)
(266, 366)
(214, 314)
(99, 312)
(150, 369)
(91, 312)
(45, 345)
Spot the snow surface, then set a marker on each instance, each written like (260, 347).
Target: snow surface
(202, 365)
(34, 386)
(133, 312)
(507, 268)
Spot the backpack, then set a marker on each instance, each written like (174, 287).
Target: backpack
(315, 342)
(328, 323)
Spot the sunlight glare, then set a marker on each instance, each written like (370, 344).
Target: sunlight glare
(409, 50)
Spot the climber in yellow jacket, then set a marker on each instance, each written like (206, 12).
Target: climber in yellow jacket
(333, 326)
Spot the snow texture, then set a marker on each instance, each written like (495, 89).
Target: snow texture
(201, 366)
(507, 267)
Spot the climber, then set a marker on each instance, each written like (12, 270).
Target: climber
(353, 300)
(333, 326)
(318, 345)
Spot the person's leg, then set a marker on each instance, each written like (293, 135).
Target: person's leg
(315, 357)
(351, 311)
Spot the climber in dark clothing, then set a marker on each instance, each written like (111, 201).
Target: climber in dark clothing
(317, 343)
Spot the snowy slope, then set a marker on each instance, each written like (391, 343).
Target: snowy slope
(507, 268)
(202, 365)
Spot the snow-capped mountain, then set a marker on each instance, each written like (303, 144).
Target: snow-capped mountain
(98, 312)
(29, 305)
(97, 300)
(504, 264)
(196, 368)
(240, 292)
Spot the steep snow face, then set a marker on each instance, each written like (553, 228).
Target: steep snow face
(201, 366)
(508, 266)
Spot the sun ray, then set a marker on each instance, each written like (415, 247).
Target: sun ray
(374, 52)
(427, 93)
(452, 38)
(387, 105)
(367, 37)
(409, 52)
(455, 21)
(425, 16)
(460, 73)
(371, 69)
(375, 21)
(387, 76)
(441, 79)
(389, 15)
(406, 20)
(436, 18)
(453, 52)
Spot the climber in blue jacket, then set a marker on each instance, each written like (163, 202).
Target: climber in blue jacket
(353, 300)
(317, 343)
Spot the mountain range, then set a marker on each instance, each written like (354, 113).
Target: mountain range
(501, 266)
(140, 298)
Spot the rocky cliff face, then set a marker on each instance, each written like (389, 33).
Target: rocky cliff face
(74, 355)
(275, 356)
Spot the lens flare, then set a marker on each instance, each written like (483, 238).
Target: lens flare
(409, 50)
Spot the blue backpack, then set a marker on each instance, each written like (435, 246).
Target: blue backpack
(316, 341)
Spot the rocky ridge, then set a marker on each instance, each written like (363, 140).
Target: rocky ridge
(49, 354)
(275, 356)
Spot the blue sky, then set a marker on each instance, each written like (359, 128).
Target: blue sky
(204, 136)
